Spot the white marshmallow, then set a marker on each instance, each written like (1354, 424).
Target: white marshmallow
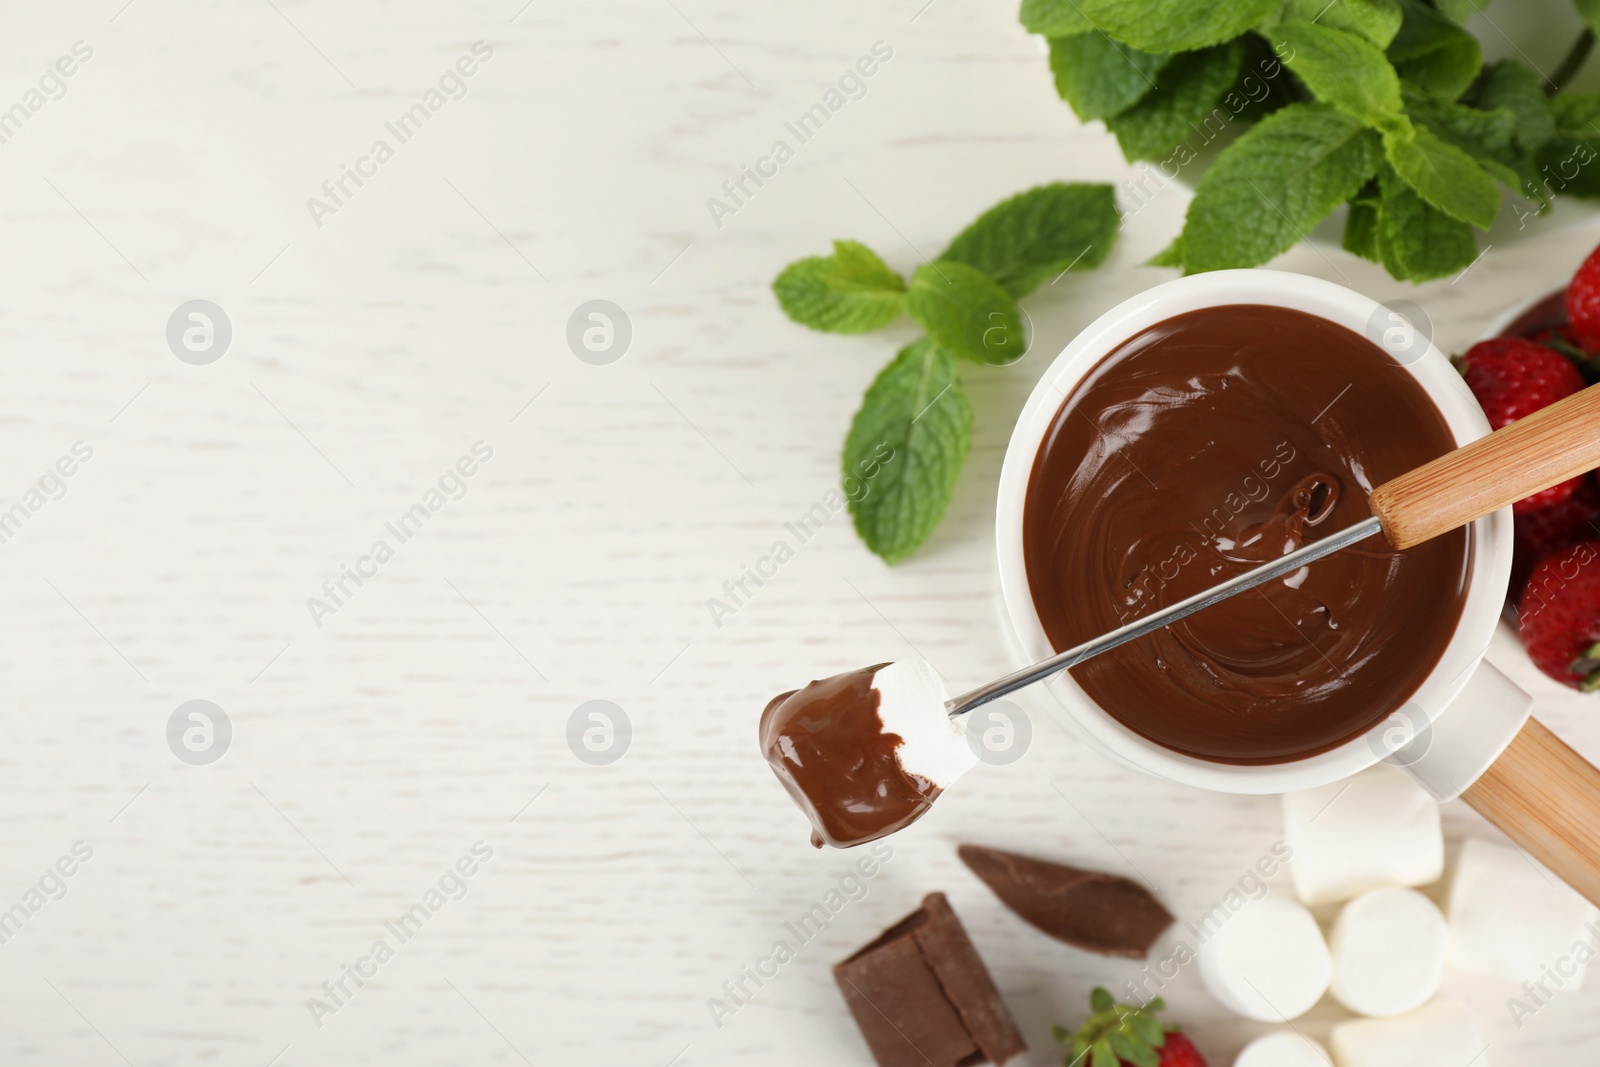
(1512, 918)
(1283, 1049)
(1388, 951)
(911, 698)
(1268, 962)
(1439, 1035)
(1375, 829)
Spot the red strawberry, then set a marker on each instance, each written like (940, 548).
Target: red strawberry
(1127, 1035)
(1179, 1051)
(1547, 530)
(1559, 616)
(1583, 302)
(1513, 377)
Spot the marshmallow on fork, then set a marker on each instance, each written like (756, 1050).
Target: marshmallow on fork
(865, 753)
(1375, 829)
(911, 704)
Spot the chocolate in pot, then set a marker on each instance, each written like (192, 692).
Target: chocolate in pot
(1207, 445)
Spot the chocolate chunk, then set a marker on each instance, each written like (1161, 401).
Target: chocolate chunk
(922, 996)
(1087, 909)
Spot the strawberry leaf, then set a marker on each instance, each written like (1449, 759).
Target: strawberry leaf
(1132, 1050)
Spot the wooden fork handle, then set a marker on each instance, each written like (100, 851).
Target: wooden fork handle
(1549, 446)
(1546, 798)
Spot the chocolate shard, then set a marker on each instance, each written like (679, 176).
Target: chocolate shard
(1090, 910)
(922, 996)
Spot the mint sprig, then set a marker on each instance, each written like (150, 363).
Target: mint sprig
(851, 291)
(1276, 182)
(908, 441)
(1342, 69)
(1291, 107)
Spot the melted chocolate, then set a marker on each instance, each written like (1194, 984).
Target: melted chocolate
(1202, 447)
(828, 747)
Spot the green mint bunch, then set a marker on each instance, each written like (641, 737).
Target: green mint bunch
(1384, 105)
(909, 439)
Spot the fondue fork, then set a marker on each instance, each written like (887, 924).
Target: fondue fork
(1551, 445)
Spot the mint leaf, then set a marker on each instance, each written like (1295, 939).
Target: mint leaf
(1040, 233)
(1342, 69)
(1517, 89)
(1185, 101)
(1176, 25)
(1053, 18)
(905, 449)
(1569, 162)
(1458, 11)
(1261, 88)
(1489, 137)
(1478, 131)
(1099, 77)
(851, 291)
(1361, 227)
(1433, 52)
(1376, 20)
(1267, 189)
(1417, 242)
(966, 312)
(1443, 175)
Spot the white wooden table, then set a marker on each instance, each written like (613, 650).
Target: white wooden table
(430, 710)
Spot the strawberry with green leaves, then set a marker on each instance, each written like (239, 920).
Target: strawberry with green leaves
(1121, 1035)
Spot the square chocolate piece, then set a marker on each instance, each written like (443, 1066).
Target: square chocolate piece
(922, 996)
